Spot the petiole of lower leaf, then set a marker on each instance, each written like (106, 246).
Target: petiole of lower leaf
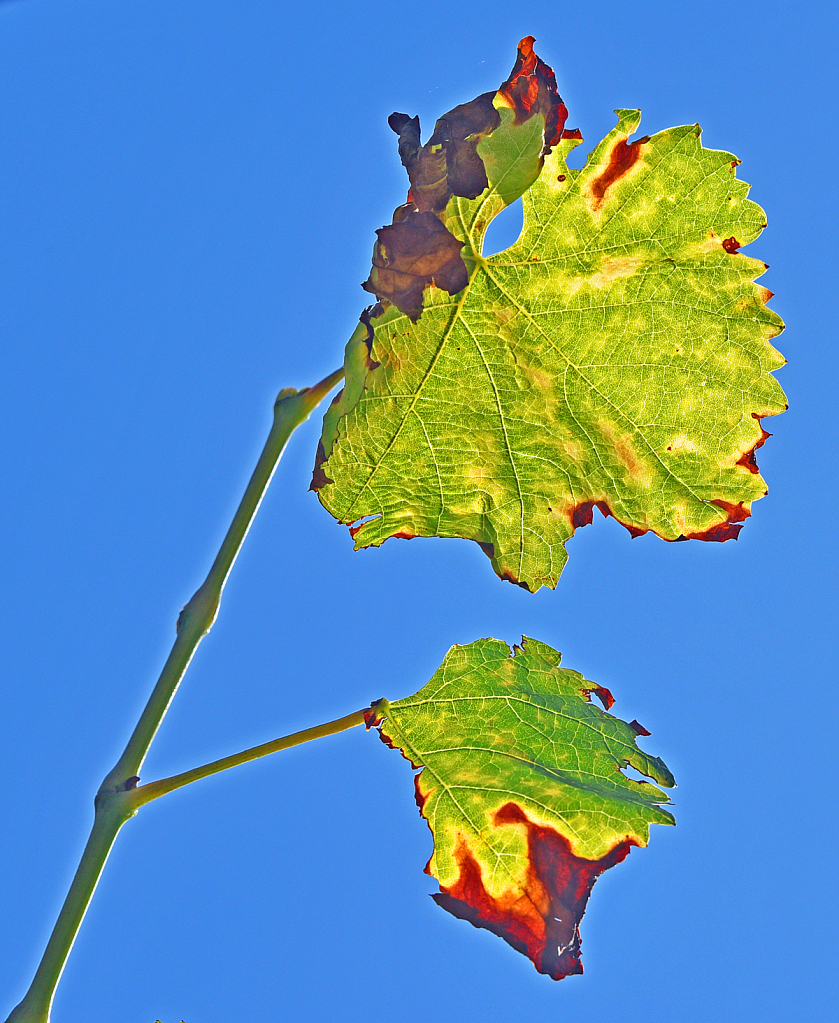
(146, 793)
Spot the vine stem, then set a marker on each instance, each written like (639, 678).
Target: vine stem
(118, 798)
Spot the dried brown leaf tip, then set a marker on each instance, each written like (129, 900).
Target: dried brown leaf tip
(417, 249)
(531, 89)
(729, 529)
(542, 919)
(602, 693)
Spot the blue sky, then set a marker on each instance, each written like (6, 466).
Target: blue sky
(190, 192)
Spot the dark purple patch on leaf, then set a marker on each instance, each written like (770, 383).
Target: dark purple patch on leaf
(370, 312)
(319, 477)
(411, 254)
(448, 164)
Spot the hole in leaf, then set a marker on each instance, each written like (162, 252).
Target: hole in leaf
(504, 230)
(355, 526)
(364, 518)
(577, 158)
(633, 774)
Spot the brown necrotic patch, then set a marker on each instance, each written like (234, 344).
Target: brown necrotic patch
(508, 576)
(319, 477)
(582, 514)
(458, 133)
(372, 717)
(416, 249)
(634, 531)
(622, 158)
(540, 916)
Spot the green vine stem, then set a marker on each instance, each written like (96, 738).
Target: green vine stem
(118, 797)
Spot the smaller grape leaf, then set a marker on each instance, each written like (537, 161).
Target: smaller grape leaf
(522, 786)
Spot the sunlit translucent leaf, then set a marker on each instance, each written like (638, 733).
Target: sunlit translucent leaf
(617, 356)
(523, 788)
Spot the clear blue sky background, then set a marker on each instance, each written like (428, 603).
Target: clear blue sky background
(189, 194)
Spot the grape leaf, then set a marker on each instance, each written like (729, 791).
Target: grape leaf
(616, 356)
(523, 789)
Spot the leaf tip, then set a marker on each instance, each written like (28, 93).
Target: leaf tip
(542, 918)
(531, 89)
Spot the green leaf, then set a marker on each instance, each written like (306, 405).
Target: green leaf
(617, 356)
(523, 788)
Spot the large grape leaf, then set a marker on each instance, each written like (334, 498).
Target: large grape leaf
(523, 788)
(617, 356)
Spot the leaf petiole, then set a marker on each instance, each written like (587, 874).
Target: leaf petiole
(146, 793)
